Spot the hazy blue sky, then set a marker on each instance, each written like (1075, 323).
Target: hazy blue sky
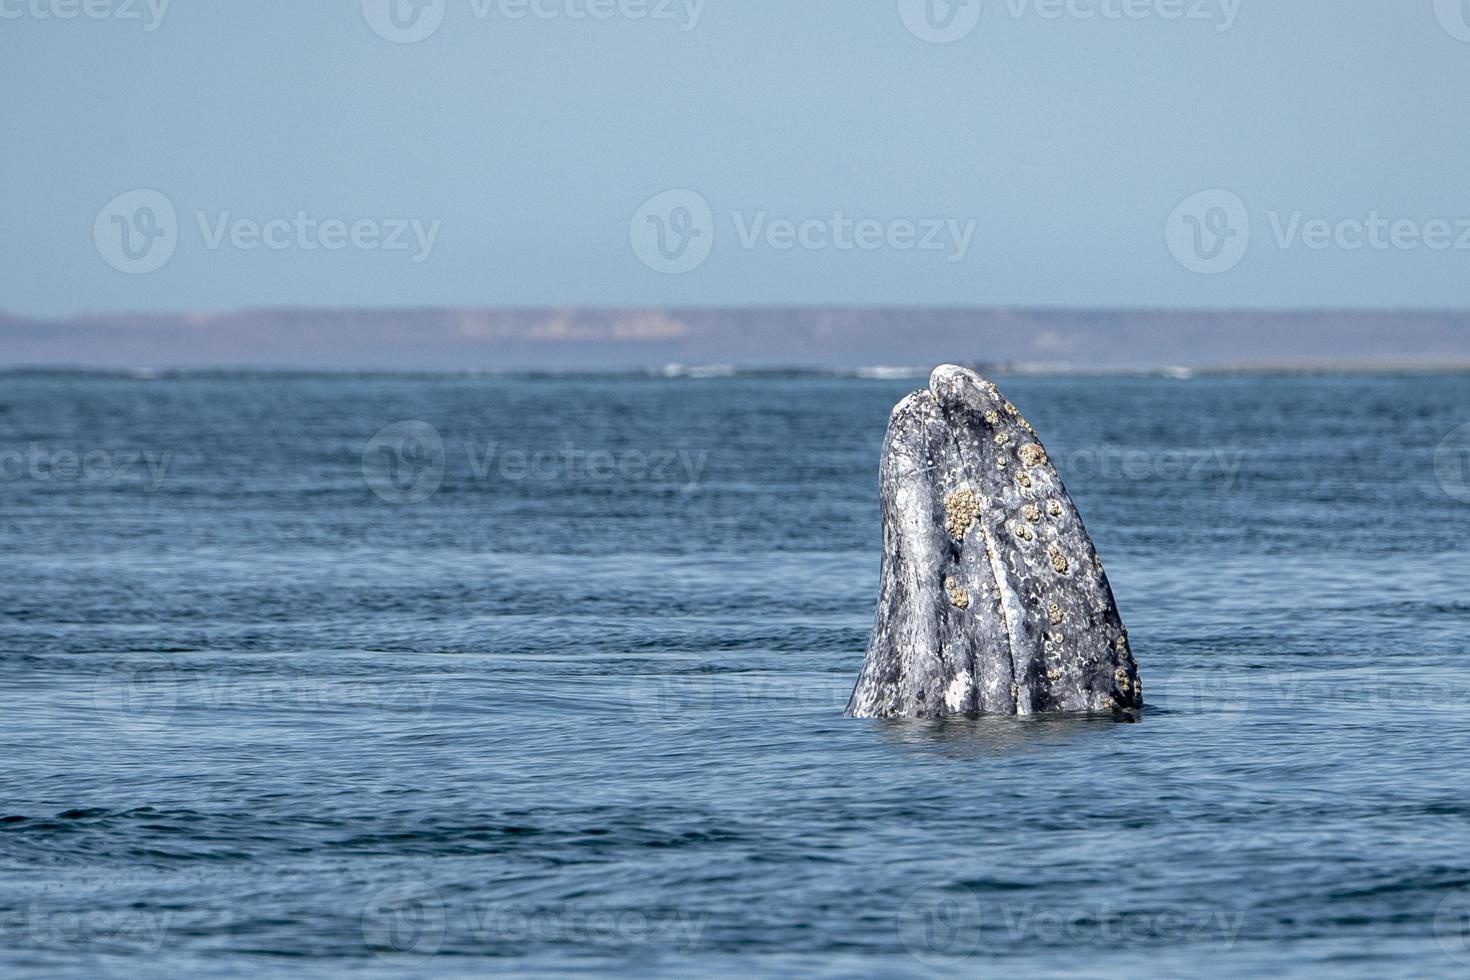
(514, 156)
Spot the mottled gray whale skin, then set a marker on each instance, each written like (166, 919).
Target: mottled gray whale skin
(992, 598)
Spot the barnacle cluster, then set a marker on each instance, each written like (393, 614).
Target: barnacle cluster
(1058, 560)
(960, 510)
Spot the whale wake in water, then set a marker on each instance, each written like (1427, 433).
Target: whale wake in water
(992, 597)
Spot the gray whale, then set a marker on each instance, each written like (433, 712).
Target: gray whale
(992, 598)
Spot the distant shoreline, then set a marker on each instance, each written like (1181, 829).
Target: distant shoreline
(716, 341)
(699, 373)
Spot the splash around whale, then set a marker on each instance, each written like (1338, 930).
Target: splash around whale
(992, 598)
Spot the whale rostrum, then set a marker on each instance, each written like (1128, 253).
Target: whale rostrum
(992, 598)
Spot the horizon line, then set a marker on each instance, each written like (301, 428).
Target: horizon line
(1399, 310)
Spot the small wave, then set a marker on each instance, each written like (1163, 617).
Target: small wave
(886, 372)
(698, 371)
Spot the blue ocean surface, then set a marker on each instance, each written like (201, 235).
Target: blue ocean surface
(314, 675)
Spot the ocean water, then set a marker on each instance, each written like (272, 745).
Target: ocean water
(371, 675)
